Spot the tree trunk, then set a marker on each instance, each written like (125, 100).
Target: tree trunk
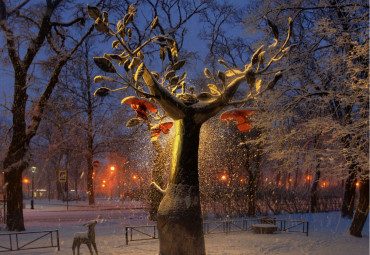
(314, 191)
(180, 223)
(155, 196)
(349, 195)
(90, 135)
(90, 181)
(362, 210)
(14, 195)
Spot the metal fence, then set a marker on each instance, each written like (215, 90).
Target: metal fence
(149, 232)
(29, 240)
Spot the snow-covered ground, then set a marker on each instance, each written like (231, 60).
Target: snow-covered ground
(328, 233)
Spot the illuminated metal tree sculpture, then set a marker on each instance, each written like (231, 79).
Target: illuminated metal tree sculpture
(179, 214)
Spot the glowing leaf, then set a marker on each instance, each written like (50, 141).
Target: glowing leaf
(163, 127)
(232, 72)
(258, 85)
(214, 90)
(174, 50)
(208, 73)
(99, 78)
(139, 72)
(241, 116)
(141, 106)
(223, 62)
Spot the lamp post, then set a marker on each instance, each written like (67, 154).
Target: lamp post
(33, 170)
(112, 168)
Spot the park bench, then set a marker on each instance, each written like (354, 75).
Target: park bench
(264, 228)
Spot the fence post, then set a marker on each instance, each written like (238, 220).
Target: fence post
(16, 240)
(51, 238)
(58, 240)
(11, 243)
(307, 229)
(126, 235)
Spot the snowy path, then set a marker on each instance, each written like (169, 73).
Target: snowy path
(327, 236)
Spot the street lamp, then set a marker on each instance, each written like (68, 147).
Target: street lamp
(26, 181)
(112, 168)
(33, 170)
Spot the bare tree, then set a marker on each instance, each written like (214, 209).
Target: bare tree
(26, 31)
(326, 88)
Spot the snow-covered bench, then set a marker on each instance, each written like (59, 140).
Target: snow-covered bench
(264, 228)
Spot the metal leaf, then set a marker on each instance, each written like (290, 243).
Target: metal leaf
(139, 72)
(223, 62)
(134, 63)
(133, 122)
(115, 44)
(214, 90)
(93, 12)
(102, 92)
(183, 76)
(128, 18)
(99, 78)
(119, 25)
(104, 64)
(174, 80)
(105, 17)
(221, 75)
(169, 75)
(208, 73)
(100, 26)
(174, 51)
(274, 28)
(162, 53)
(179, 64)
(140, 55)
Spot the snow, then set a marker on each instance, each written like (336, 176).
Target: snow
(328, 232)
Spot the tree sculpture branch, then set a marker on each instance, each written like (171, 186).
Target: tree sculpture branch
(179, 105)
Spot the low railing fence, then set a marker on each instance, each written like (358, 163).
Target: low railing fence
(149, 232)
(138, 233)
(29, 240)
